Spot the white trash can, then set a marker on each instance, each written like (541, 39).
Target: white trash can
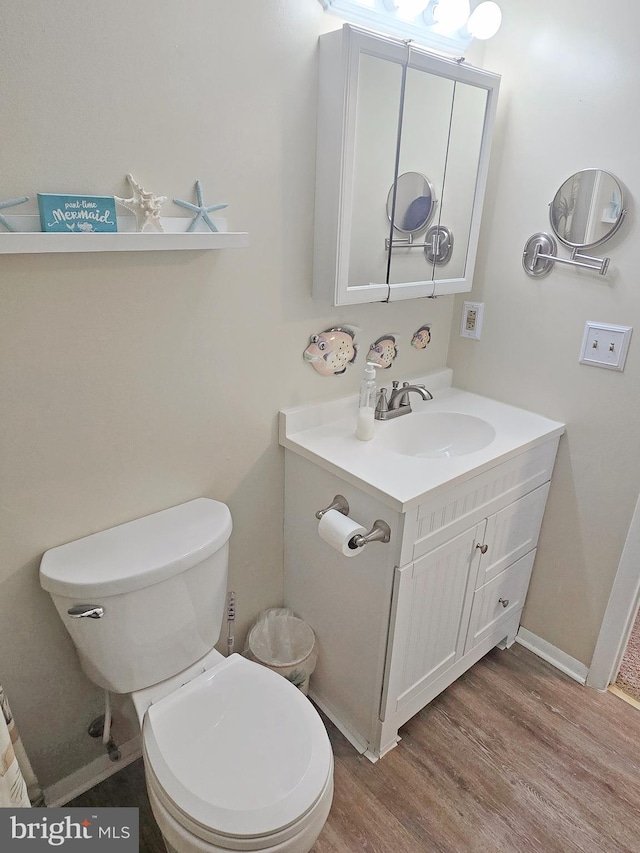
(285, 644)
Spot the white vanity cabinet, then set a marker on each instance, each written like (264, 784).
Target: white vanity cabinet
(400, 622)
(452, 601)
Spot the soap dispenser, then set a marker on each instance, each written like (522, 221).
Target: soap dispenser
(367, 403)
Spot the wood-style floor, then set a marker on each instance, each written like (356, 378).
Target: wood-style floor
(514, 757)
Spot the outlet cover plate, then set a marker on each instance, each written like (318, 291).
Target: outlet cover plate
(605, 345)
(471, 325)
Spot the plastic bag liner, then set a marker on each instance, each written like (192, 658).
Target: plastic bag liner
(285, 644)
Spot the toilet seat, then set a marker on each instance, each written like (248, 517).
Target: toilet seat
(238, 752)
(185, 836)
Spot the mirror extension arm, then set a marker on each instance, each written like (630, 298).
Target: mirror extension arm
(539, 256)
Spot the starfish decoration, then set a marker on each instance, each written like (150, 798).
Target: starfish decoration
(145, 206)
(201, 210)
(11, 202)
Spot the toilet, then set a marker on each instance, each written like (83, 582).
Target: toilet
(236, 757)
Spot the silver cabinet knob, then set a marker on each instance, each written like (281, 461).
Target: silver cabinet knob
(86, 611)
(504, 602)
(483, 548)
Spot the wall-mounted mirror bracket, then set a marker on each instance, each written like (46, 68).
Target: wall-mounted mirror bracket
(437, 244)
(539, 256)
(402, 243)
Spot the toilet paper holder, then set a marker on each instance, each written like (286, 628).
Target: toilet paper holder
(380, 532)
(339, 502)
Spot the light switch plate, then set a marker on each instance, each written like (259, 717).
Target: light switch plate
(471, 325)
(605, 345)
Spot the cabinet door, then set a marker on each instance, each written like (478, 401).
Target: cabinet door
(442, 136)
(499, 599)
(430, 614)
(377, 116)
(423, 146)
(512, 533)
(359, 103)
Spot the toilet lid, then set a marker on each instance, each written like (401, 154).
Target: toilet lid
(239, 749)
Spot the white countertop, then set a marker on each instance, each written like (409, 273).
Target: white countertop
(325, 434)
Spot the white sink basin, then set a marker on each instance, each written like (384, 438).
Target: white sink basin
(436, 434)
(453, 436)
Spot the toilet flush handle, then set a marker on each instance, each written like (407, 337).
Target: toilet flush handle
(89, 611)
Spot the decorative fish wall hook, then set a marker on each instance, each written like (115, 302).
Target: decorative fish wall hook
(421, 337)
(384, 351)
(329, 352)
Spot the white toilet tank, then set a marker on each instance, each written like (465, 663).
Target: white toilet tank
(157, 587)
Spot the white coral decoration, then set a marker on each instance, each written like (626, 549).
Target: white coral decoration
(144, 205)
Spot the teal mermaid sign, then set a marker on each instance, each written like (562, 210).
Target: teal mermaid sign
(77, 214)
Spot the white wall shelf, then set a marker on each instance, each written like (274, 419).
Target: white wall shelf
(29, 239)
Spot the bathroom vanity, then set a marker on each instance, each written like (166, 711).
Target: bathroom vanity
(462, 482)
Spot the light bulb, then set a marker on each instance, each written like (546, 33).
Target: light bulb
(450, 15)
(410, 9)
(485, 20)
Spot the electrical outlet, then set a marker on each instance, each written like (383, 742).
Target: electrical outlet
(471, 325)
(604, 345)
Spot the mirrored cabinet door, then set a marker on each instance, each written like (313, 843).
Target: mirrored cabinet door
(375, 143)
(403, 149)
(463, 177)
(423, 145)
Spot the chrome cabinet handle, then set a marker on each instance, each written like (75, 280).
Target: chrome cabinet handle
(483, 548)
(504, 602)
(86, 611)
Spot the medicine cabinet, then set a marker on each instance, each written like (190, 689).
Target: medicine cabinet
(392, 116)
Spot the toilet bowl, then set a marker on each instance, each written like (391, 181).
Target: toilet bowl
(236, 757)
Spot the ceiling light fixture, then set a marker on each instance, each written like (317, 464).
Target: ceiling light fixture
(448, 26)
(448, 15)
(484, 22)
(407, 9)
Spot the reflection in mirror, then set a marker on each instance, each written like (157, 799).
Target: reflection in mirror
(415, 203)
(463, 161)
(376, 134)
(426, 119)
(587, 209)
(438, 245)
(443, 142)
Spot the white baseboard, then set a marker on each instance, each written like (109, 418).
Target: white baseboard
(556, 657)
(86, 777)
(360, 745)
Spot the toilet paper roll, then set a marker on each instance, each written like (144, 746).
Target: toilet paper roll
(337, 530)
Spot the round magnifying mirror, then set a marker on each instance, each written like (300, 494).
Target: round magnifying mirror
(415, 202)
(587, 209)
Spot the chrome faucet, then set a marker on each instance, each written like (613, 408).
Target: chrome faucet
(399, 402)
